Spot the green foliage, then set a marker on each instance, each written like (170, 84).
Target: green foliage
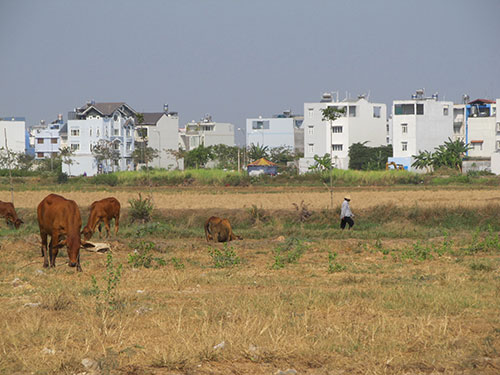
(288, 252)
(450, 155)
(109, 179)
(144, 154)
(225, 258)
(106, 297)
(256, 214)
(281, 155)
(142, 256)
(362, 157)
(332, 113)
(321, 163)
(62, 178)
(333, 265)
(257, 151)
(198, 157)
(481, 266)
(226, 157)
(104, 153)
(141, 209)
(178, 264)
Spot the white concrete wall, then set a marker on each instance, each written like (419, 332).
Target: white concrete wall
(16, 135)
(482, 129)
(280, 132)
(165, 136)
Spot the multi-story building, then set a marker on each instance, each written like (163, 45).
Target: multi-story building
(207, 133)
(419, 124)
(362, 121)
(110, 125)
(14, 128)
(47, 139)
(160, 131)
(481, 131)
(283, 130)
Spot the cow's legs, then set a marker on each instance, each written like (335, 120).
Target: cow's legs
(106, 224)
(100, 227)
(117, 224)
(44, 249)
(53, 249)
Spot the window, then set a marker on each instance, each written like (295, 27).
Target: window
(387, 128)
(352, 111)
(445, 110)
(115, 117)
(116, 145)
(129, 146)
(142, 132)
(75, 132)
(310, 148)
(498, 145)
(387, 140)
(90, 132)
(116, 132)
(98, 132)
(477, 145)
(128, 132)
(336, 147)
(39, 154)
(75, 146)
(53, 141)
(404, 146)
(404, 128)
(260, 124)
(311, 112)
(310, 129)
(337, 129)
(40, 141)
(376, 111)
(420, 109)
(404, 109)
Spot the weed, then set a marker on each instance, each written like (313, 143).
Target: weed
(478, 266)
(333, 265)
(225, 258)
(106, 298)
(256, 214)
(142, 257)
(417, 252)
(303, 211)
(141, 209)
(178, 264)
(289, 252)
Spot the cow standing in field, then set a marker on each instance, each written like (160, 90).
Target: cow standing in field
(8, 211)
(60, 217)
(219, 230)
(104, 210)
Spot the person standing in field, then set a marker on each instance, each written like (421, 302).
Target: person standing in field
(346, 214)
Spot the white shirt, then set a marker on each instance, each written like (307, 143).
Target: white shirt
(346, 210)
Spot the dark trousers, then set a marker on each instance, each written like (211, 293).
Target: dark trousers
(346, 220)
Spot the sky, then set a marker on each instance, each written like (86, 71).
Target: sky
(236, 59)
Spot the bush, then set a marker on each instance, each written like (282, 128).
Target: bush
(110, 179)
(223, 259)
(141, 209)
(62, 178)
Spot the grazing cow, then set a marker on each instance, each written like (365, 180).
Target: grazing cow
(102, 211)
(8, 211)
(58, 217)
(219, 230)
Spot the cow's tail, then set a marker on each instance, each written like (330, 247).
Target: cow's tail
(207, 230)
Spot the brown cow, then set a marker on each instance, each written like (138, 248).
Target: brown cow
(8, 211)
(102, 211)
(57, 217)
(219, 230)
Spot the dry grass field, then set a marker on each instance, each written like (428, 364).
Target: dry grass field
(395, 297)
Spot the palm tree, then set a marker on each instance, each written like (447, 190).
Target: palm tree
(257, 151)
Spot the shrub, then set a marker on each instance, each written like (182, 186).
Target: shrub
(289, 252)
(142, 257)
(333, 265)
(141, 209)
(110, 179)
(223, 259)
(62, 178)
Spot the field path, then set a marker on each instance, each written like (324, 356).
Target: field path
(276, 199)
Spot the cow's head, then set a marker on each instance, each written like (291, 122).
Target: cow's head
(73, 244)
(17, 223)
(87, 233)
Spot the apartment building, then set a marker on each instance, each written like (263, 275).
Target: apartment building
(108, 124)
(14, 129)
(481, 130)
(282, 130)
(419, 124)
(207, 133)
(362, 121)
(160, 131)
(47, 138)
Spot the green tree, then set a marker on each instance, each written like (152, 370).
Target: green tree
(362, 157)
(281, 155)
(67, 154)
(423, 160)
(256, 151)
(144, 155)
(450, 155)
(198, 157)
(104, 152)
(225, 156)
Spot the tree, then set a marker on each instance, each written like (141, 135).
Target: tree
(177, 154)
(66, 155)
(281, 155)
(450, 154)
(104, 151)
(225, 156)
(257, 151)
(322, 163)
(24, 161)
(362, 157)
(144, 155)
(423, 160)
(198, 157)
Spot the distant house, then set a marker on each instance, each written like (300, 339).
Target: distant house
(283, 130)
(262, 166)
(111, 124)
(48, 139)
(207, 133)
(15, 130)
(160, 131)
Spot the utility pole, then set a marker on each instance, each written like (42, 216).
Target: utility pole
(10, 167)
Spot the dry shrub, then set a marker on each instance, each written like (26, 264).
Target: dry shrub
(57, 301)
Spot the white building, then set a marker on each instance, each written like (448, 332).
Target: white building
(160, 131)
(47, 139)
(362, 121)
(481, 130)
(207, 133)
(109, 124)
(284, 130)
(15, 130)
(419, 124)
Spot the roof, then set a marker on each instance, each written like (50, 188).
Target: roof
(152, 118)
(479, 101)
(262, 162)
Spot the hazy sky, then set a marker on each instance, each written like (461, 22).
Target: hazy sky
(236, 59)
